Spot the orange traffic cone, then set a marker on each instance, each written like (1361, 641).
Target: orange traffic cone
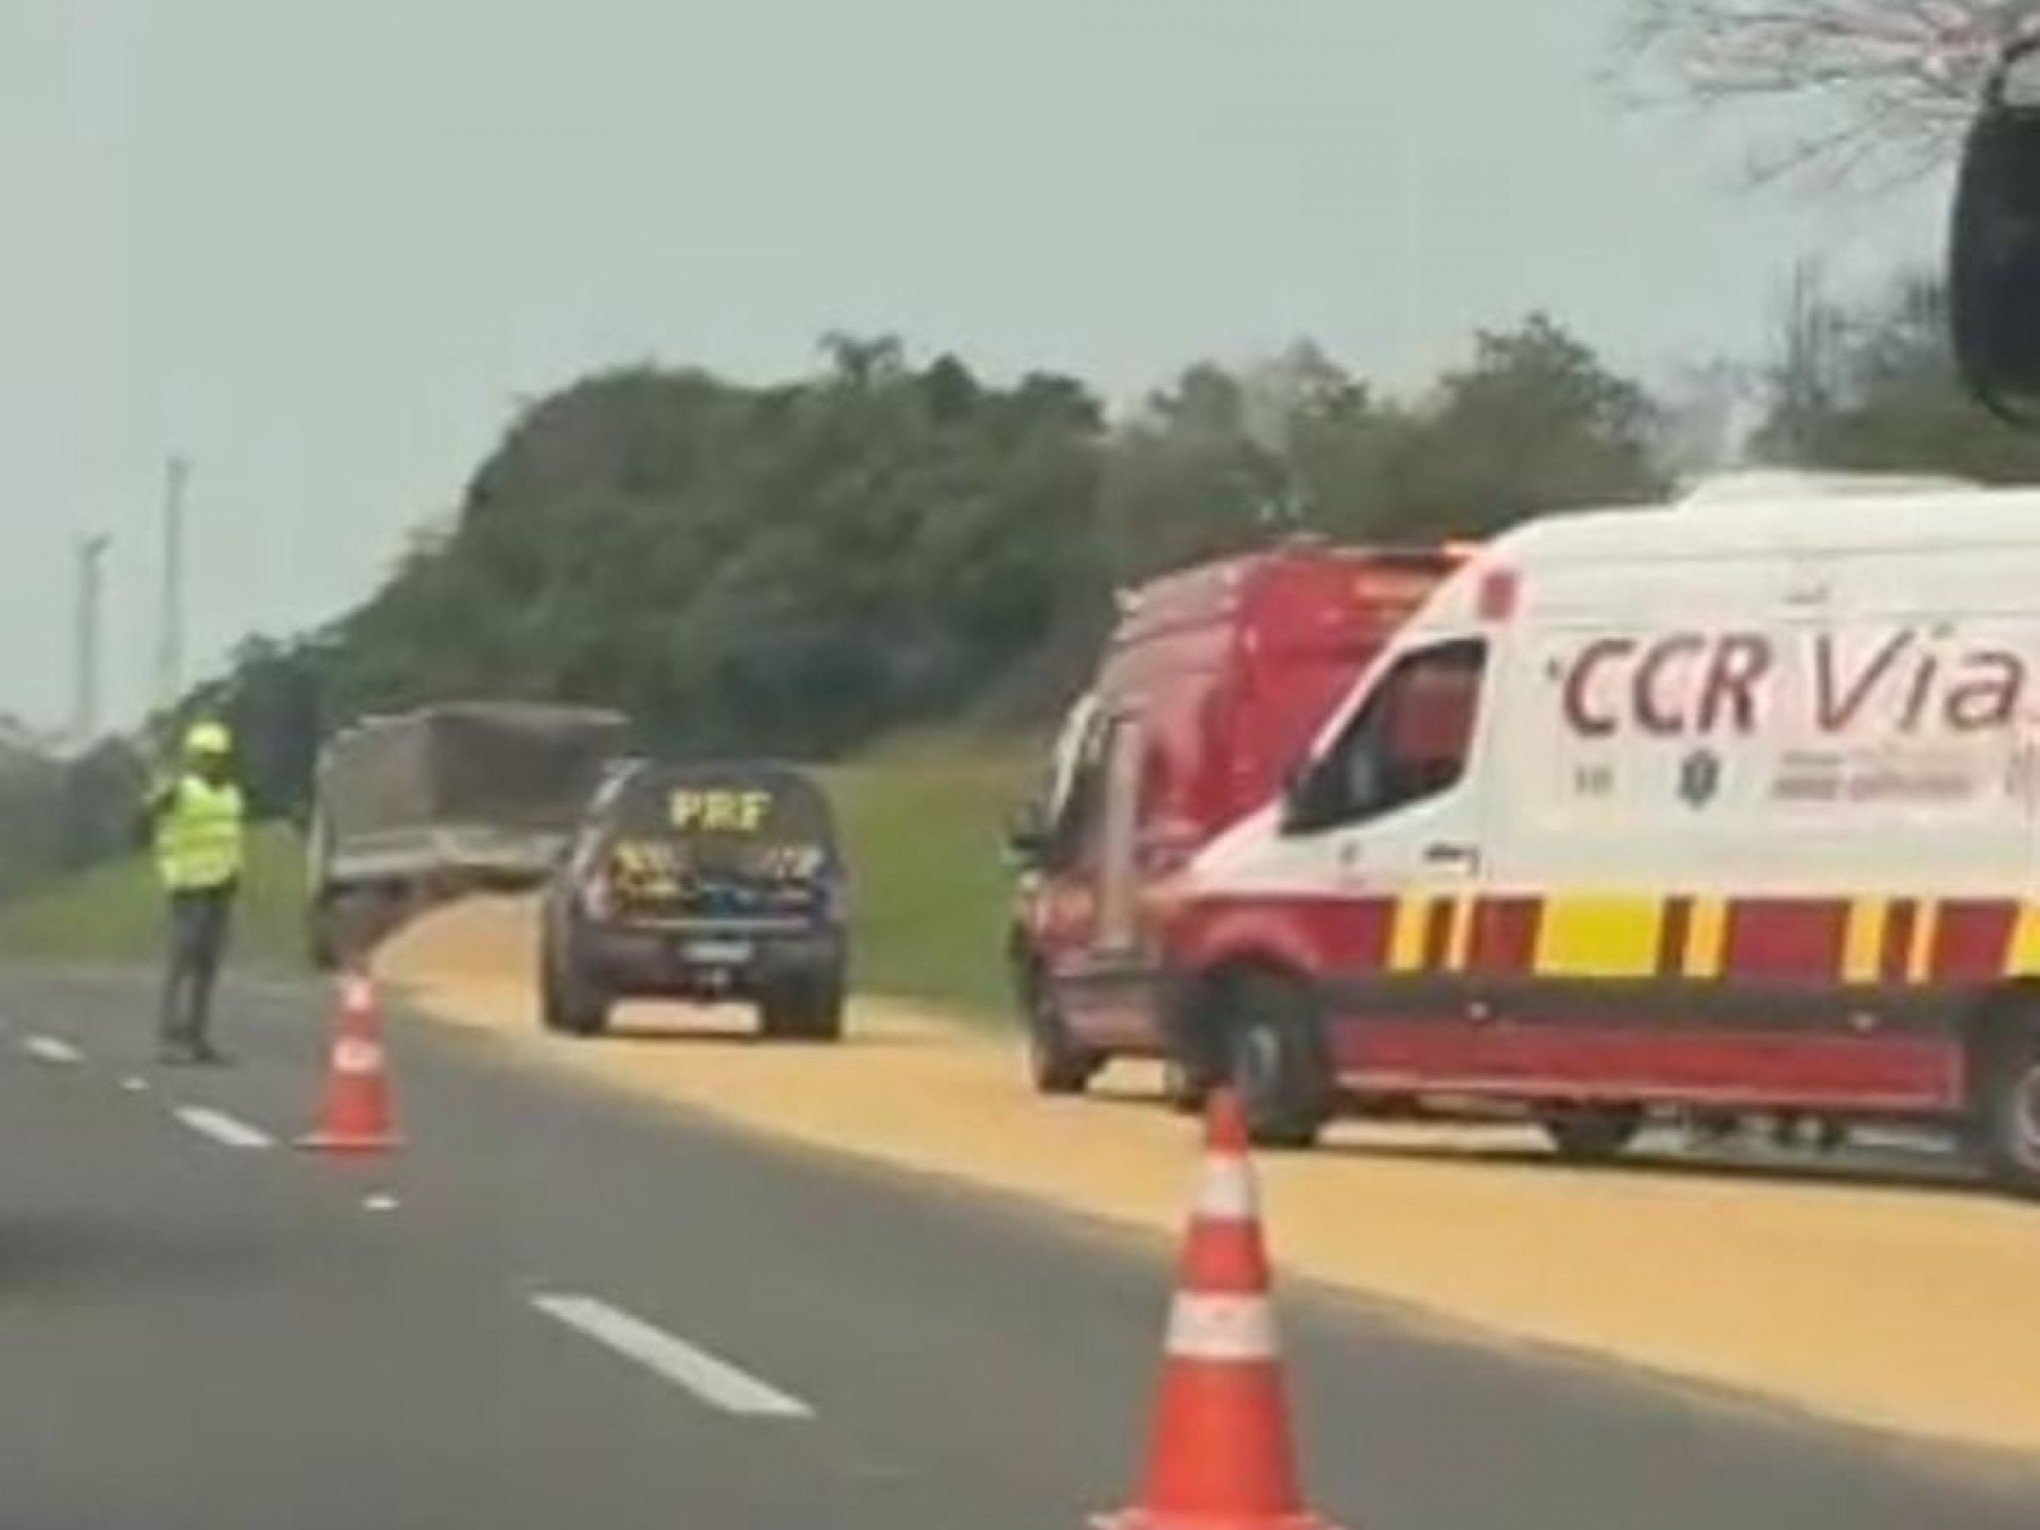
(1221, 1457)
(354, 1114)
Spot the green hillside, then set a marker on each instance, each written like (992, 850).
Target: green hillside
(114, 912)
(924, 833)
(807, 567)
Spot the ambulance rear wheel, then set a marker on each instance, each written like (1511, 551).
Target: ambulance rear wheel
(1591, 1133)
(1056, 1062)
(1279, 1061)
(2008, 1105)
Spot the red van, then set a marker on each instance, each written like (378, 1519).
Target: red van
(1214, 684)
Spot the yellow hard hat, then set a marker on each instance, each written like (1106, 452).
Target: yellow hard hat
(208, 738)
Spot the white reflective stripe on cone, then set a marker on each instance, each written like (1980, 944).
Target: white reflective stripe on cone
(1203, 1327)
(1225, 1190)
(357, 993)
(352, 1055)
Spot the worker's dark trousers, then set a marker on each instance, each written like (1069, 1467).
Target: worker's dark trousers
(199, 920)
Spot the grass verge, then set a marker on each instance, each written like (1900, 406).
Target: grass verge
(114, 913)
(931, 890)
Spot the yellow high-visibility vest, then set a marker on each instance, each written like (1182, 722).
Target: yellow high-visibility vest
(199, 835)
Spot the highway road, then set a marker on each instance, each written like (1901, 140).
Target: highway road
(563, 1305)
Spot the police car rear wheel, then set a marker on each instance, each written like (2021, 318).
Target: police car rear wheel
(806, 1008)
(823, 1018)
(1279, 1064)
(548, 989)
(2009, 1107)
(568, 1002)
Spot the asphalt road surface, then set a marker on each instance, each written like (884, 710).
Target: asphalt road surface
(564, 1307)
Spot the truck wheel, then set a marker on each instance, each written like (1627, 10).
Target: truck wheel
(320, 945)
(2007, 1104)
(1056, 1062)
(1279, 1061)
(340, 928)
(569, 1003)
(1591, 1133)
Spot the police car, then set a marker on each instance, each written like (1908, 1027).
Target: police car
(712, 884)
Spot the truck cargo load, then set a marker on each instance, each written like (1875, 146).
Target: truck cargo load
(451, 799)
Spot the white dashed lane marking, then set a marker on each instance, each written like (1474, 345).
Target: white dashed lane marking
(715, 1381)
(52, 1049)
(223, 1128)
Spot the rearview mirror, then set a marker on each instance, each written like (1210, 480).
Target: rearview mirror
(1026, 834)
(1994, 244)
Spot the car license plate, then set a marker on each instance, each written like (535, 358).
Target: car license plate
(718, 953)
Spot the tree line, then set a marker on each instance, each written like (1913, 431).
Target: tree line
(62, 813)
(799, 567)
(796, 567)
(886, 542)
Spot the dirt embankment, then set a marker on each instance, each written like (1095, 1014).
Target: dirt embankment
(1887, 1304)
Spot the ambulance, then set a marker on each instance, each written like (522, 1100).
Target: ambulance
(1212, 685)
(1730, 805)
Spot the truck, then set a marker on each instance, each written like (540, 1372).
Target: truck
(415, 808)
(1213, 682)
(1728, 805)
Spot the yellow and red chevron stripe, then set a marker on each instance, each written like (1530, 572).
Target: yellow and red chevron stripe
(1873, 940)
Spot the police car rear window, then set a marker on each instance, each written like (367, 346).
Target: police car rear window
(732, 809)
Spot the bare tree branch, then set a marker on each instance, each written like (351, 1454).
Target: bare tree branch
(1887, 84)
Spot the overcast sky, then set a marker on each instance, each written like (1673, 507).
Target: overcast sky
(325, 248)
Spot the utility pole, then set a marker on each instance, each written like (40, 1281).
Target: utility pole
(170, 638)
(85, 700)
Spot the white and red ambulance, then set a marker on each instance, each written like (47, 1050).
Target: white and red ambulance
(1731, 804)
(1213, 685)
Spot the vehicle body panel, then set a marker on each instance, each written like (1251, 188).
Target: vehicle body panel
(1214, 682)
(1745, 813)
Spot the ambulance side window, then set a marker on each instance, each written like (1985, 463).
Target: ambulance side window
(1408, 743)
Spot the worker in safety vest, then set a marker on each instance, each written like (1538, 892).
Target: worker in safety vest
(197, 822)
